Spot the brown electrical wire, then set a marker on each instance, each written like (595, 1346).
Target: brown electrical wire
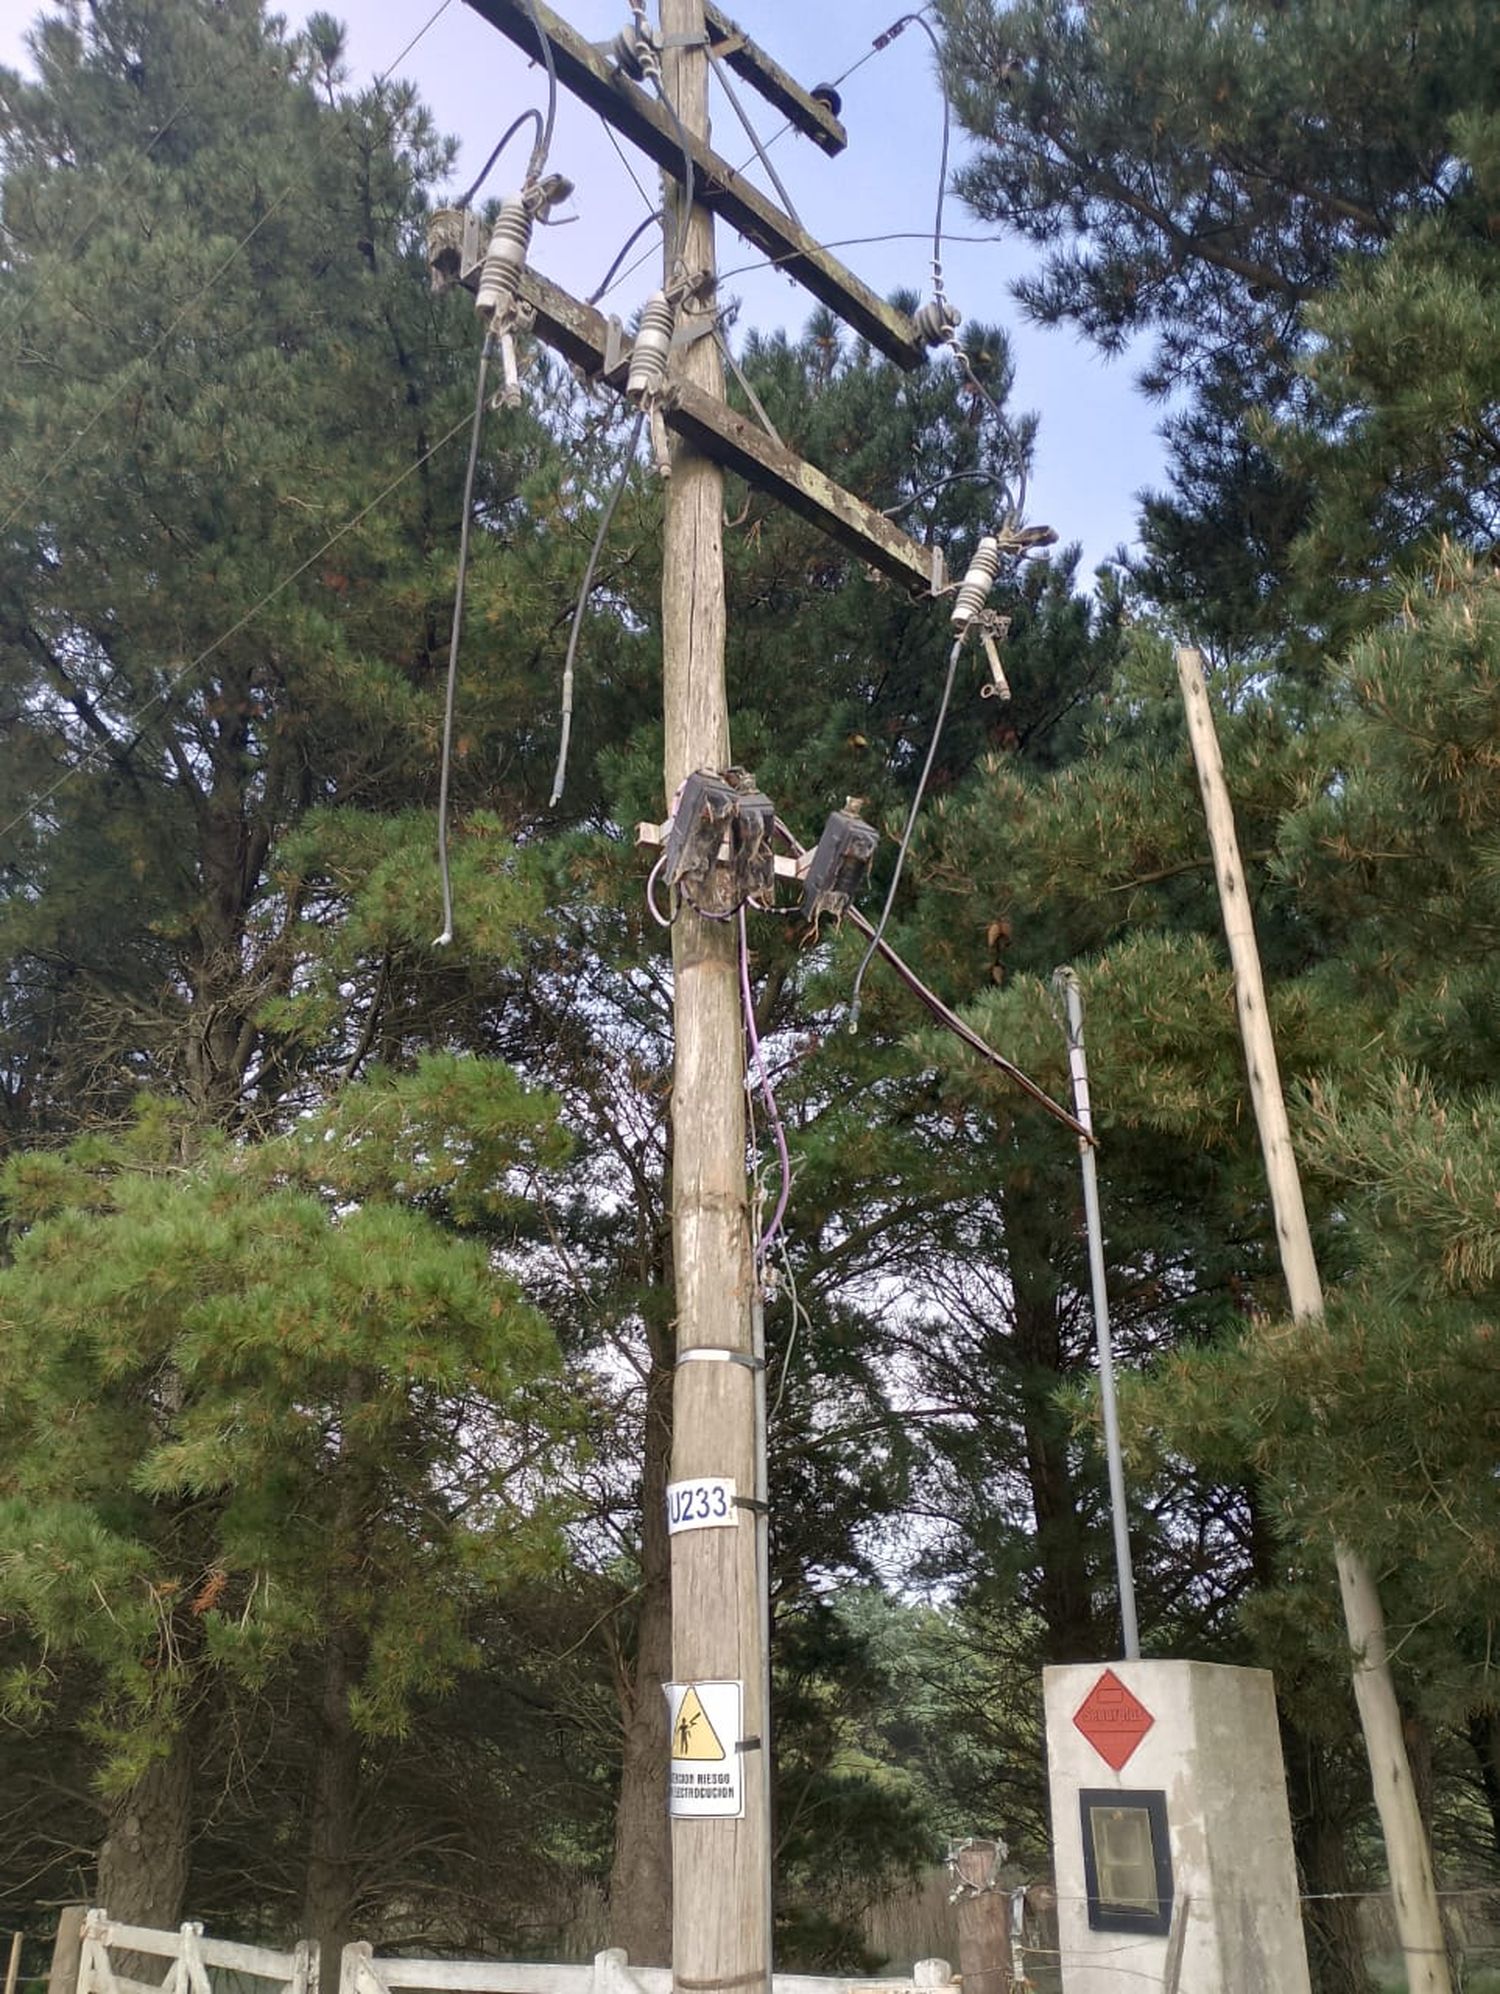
(950, 1020)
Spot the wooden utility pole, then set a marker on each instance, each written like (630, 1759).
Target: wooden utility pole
(720, 1866)
(1419, 1924)
(721, 1920)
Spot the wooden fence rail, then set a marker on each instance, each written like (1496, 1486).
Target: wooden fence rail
(191, 1955)
(607, 1973)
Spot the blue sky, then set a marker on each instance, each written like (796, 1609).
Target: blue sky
(1097, 446)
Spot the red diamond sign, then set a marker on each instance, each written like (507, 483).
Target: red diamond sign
(1113, 1721)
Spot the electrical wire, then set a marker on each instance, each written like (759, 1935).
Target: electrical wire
(275, 207)
(543, 145)
(689, 182)
(561, 774)
(625, 160)
(911, 820)
(136, 719)
(484, 172)
(450, 698)
(835, 242)
(662, 920)
(948, 1019)
(768, 1095)
(800, 1320)
(721, 70)
(921, 21)
(630, 241)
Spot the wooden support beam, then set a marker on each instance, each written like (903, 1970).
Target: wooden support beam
(637, 116)
(804, 112)
(582, 335)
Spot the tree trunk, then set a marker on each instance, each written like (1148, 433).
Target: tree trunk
(1320, 1827)
(328, 1899)
(143, 1860)
(1064, 1589)
(640, 1882)
(1484, 1740)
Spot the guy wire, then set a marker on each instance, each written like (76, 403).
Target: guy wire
(454, 633)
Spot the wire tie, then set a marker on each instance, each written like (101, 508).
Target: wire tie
(706, 1354)
(751, 1503)
(747, 1745)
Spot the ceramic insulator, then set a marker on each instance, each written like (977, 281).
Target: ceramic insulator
(499, 280)
(974, 589)
(653, 343)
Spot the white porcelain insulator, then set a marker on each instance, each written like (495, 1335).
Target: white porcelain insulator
(974, 589)
(653, 345)
(500, 279)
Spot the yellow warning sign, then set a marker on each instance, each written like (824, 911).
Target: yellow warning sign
(693, 1736)
(707, 1771)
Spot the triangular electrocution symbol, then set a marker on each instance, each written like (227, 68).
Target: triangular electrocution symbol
(693, 1737)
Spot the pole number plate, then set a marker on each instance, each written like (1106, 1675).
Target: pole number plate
(706, 1503)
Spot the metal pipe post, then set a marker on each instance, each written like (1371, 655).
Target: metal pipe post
(1067, 982)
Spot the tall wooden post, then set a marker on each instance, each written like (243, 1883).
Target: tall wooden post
(1413, 1891)
(719, 1865)
(67, 1950)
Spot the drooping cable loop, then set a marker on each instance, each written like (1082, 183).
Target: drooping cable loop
(466, 199)
(455, 633)
(560, 776)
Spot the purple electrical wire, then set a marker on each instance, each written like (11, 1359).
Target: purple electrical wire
(769, 1095)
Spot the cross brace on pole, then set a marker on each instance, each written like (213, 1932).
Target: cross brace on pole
(806, 113)
(596, 345)
(582, 69)
(582, 335)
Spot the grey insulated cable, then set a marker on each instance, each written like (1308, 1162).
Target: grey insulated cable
(878, 934)
(543, 144)
(454, 634)
(561, 775)
(484, 172)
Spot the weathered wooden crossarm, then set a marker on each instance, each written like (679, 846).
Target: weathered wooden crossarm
(634, 113)
(581, 335)
(808, 114)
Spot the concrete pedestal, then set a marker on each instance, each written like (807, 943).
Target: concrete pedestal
(1170, 1831)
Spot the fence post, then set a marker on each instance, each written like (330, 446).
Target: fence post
(986, 1963)
(306, 1958)
(67, 1950)
(358, 1953)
